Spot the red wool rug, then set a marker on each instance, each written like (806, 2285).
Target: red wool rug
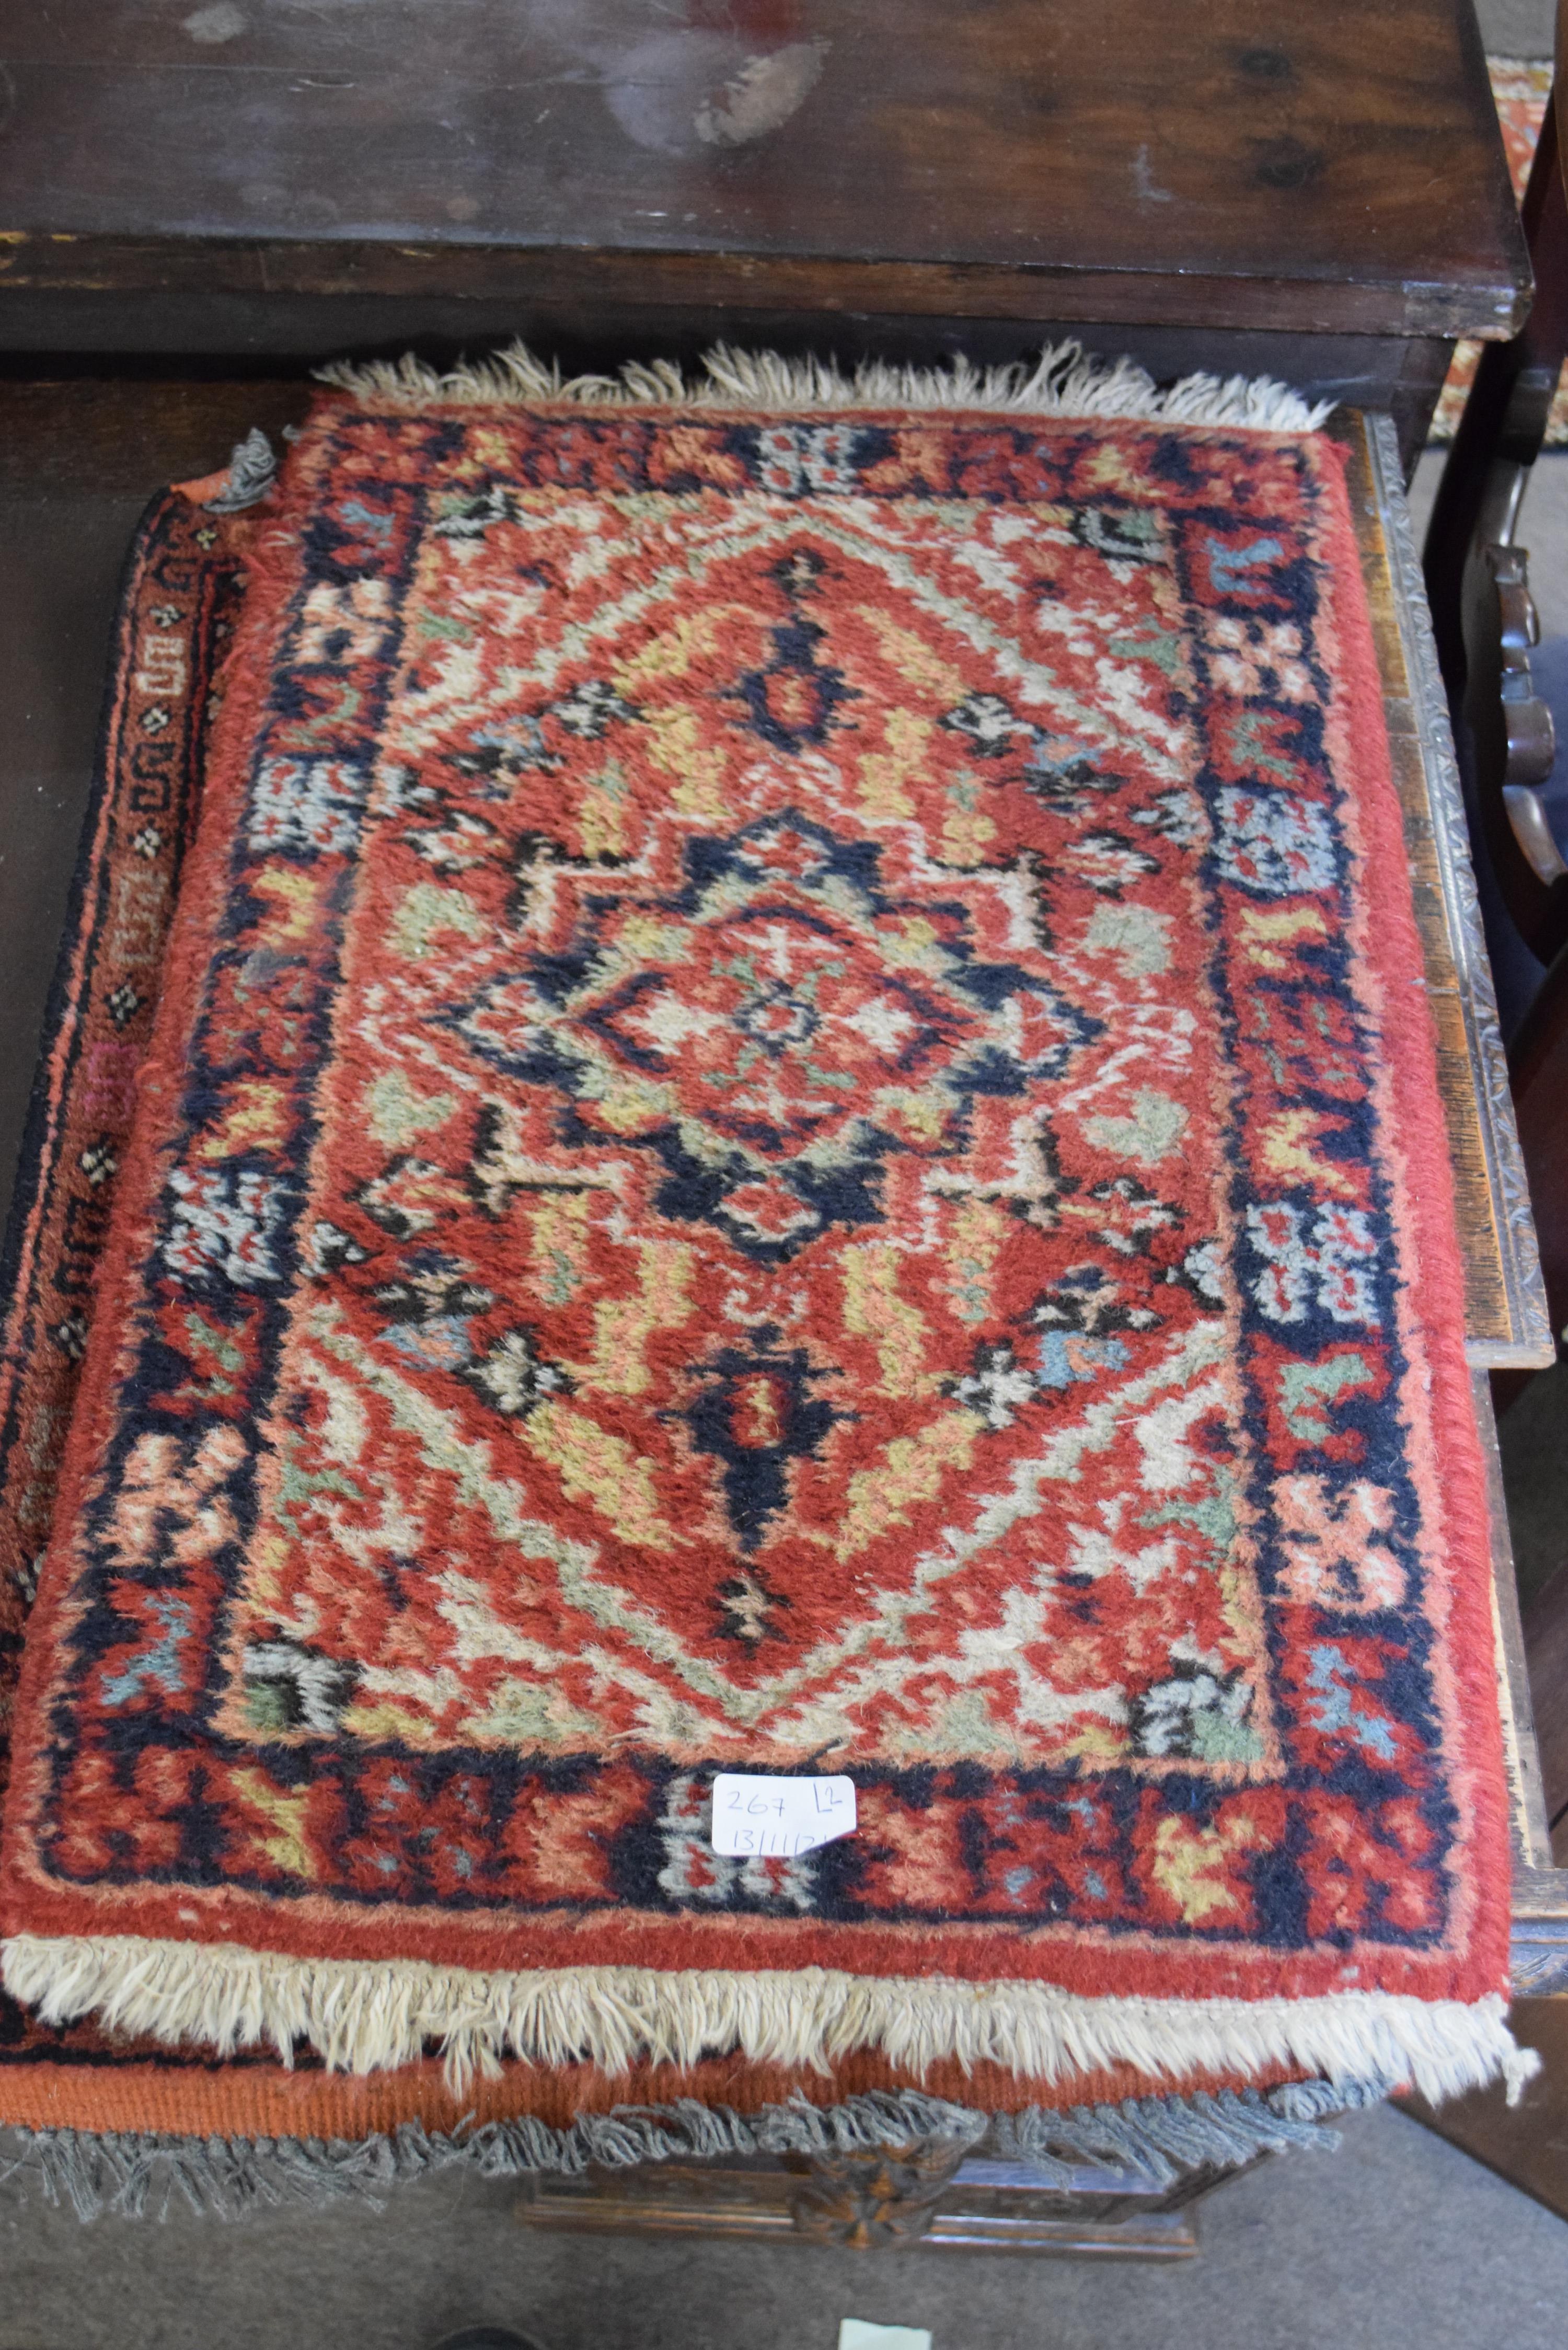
(780, 1139)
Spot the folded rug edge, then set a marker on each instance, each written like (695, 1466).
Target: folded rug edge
(366, 2017)
(142, 2174)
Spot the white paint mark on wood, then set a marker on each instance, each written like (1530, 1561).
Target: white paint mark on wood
(1148, 193)
(220, 21)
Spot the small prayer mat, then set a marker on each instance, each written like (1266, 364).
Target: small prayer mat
(780, 1139)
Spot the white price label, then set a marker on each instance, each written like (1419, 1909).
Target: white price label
(780, 1816)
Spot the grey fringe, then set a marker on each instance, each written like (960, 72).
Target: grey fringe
(253, 469)
(139, 2176)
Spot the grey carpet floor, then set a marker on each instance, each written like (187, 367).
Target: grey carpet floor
(1395, 2239)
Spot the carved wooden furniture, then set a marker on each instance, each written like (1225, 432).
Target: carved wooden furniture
(1478, 575)
(926, 2195)
(1485, 625)
(1244, 186)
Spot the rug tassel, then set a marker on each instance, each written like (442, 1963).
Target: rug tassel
(1157, 2138)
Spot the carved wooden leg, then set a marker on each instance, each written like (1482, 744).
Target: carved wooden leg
(887, 2196)
(927, 2192)
(1515, 746)
(1504, 423)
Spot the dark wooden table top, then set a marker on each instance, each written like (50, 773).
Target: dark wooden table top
(1334, 168)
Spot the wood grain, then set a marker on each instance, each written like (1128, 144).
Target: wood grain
(988, 2205)
(1243, 165)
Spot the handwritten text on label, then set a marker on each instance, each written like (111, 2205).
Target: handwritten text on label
(780, 1816)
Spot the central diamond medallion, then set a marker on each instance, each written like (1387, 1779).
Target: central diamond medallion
(779, 1024)
(777, 1028)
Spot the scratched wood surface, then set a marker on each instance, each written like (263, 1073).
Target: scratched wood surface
(1247, 164)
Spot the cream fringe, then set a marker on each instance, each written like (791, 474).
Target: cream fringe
(1067, 381)
(364, 2016)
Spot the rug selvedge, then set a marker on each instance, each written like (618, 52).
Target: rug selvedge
(1283, 1773)
(176, 608)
